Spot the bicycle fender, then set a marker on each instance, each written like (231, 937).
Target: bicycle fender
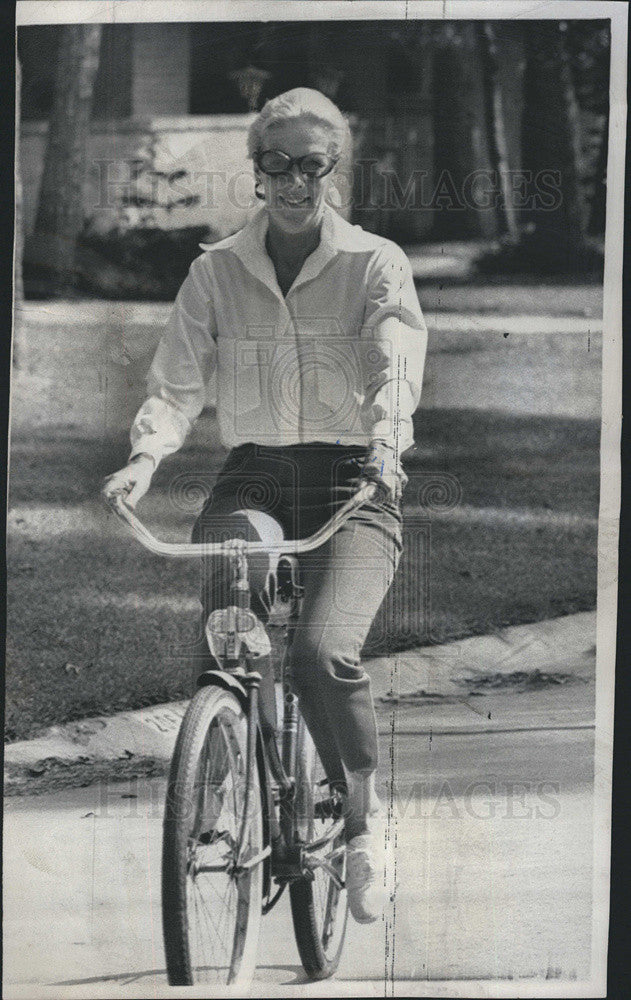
(222, 679)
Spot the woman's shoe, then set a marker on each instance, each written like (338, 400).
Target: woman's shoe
(366, 878)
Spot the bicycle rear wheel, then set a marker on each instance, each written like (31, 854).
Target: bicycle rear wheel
(318, 902)
(210, 912)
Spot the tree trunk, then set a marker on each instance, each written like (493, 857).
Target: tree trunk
(599, 200)
(551, 145)
(494, 106)
(60, 212)
(414, 138)
(18, 285)
(461, 140)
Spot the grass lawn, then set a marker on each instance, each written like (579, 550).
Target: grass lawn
(96, 624)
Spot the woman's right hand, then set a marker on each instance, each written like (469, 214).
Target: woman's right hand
(131, 482)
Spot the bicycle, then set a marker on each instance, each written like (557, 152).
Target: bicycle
(240, 813)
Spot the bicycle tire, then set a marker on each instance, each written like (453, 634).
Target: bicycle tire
(203, 812)
(319, 908)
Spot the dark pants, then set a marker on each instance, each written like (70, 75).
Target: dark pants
(345, 580)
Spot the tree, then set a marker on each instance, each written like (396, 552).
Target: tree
(59, 217)
(597, 213)
(461, 141)
(589, 48)
(494, 106)
(18, 286)
(557, 222)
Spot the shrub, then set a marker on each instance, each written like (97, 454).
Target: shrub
(142, 263)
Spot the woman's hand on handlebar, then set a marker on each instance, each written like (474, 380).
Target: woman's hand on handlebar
(381, 466)
(131, 482)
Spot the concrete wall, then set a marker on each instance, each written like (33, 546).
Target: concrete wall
(212, 150)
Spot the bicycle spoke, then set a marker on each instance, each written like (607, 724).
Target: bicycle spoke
(321, 926)
(219, 900)
(203, 915)
(212, 942)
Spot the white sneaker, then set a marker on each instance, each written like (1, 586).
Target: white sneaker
(365, 878)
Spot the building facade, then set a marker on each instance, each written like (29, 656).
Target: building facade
(179, 98)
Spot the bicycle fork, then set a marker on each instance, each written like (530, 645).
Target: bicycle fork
(252, 682)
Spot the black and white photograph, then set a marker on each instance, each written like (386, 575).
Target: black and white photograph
(313, 498)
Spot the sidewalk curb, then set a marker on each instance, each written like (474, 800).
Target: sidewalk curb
(438, 672)
(552, 645)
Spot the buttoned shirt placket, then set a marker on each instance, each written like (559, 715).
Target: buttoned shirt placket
(314, 365)
(253, 255)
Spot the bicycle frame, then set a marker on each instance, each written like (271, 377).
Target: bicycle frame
(228, 630)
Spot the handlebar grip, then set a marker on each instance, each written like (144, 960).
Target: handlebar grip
(375, 488)
(116, 503)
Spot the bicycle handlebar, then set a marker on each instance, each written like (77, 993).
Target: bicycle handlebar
(188, 550)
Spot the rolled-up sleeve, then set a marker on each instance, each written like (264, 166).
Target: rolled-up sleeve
(394, 321)
(181, 368)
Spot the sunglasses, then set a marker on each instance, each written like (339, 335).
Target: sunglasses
(274, 163)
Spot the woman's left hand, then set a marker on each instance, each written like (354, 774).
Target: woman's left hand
(382, 466)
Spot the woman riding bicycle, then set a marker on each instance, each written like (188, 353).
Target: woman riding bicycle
(314, 330)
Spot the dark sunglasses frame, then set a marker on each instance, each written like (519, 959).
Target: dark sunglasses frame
(290, 162)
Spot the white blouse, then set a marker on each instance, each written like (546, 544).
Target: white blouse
(338, 359)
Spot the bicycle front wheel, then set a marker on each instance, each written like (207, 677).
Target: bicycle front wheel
(211, 900)
(318, 901)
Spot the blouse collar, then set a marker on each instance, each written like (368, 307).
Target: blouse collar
(336, 236)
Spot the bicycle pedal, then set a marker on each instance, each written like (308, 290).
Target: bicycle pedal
(327, 809)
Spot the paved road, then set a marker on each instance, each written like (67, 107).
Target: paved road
(494, 864)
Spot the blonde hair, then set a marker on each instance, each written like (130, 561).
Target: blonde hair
(300, 103)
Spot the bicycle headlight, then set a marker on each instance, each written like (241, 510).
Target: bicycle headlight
(226, 620)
